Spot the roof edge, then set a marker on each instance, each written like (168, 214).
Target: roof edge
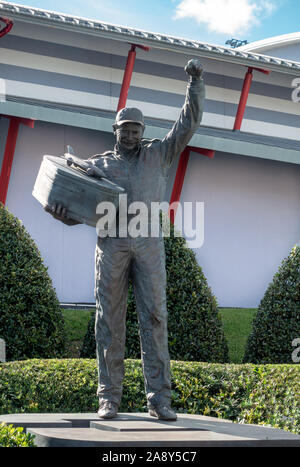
(131, 35)
(270, 42)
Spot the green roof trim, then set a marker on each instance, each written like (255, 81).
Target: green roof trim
(239, 143)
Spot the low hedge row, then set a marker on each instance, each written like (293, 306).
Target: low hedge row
(259, 394)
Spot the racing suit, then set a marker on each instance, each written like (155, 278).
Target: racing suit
(143, 174)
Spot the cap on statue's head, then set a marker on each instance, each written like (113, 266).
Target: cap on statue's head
(129, 115)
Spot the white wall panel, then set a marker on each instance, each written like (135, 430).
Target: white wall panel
(59, 95)
(270, 129)
(251, 221)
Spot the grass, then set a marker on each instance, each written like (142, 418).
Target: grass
(237, 324)
(76, 325)
(236, 321)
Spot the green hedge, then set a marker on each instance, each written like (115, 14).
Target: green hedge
(31, 321)
(259, 394)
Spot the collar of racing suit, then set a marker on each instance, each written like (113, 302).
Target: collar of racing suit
(129, 154)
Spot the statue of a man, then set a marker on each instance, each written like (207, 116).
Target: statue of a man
(140, 166)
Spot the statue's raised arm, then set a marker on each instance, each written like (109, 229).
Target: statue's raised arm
(190, 116)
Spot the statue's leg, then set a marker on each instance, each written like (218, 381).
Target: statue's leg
(149, 280)
(111, 289)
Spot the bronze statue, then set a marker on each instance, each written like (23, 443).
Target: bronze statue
(141, 167)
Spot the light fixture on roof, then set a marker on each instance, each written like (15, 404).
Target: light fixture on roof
(236, 43)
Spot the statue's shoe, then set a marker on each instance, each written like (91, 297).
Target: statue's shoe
(107, 410)
(162, 412)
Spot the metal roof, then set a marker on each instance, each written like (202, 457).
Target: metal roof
(272, 42)
(125, 34)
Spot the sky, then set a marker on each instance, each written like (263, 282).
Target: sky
(212, 21)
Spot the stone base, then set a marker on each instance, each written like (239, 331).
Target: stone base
(141, 430)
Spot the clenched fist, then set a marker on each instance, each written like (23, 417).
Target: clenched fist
(194, 69)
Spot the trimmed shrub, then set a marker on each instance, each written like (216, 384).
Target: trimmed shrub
(277, 322)
(31, 320)
(12, 437)
(258, 394)
(194, 324)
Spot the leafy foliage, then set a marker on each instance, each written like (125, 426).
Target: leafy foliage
(31, 322)
(277, 322)
(12, 437)
(194, 325)
(246, 393)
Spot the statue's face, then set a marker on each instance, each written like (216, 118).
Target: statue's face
(129, 135)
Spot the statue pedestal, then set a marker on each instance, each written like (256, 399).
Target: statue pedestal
(141, 430)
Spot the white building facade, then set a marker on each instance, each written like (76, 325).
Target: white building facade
(66, 73)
